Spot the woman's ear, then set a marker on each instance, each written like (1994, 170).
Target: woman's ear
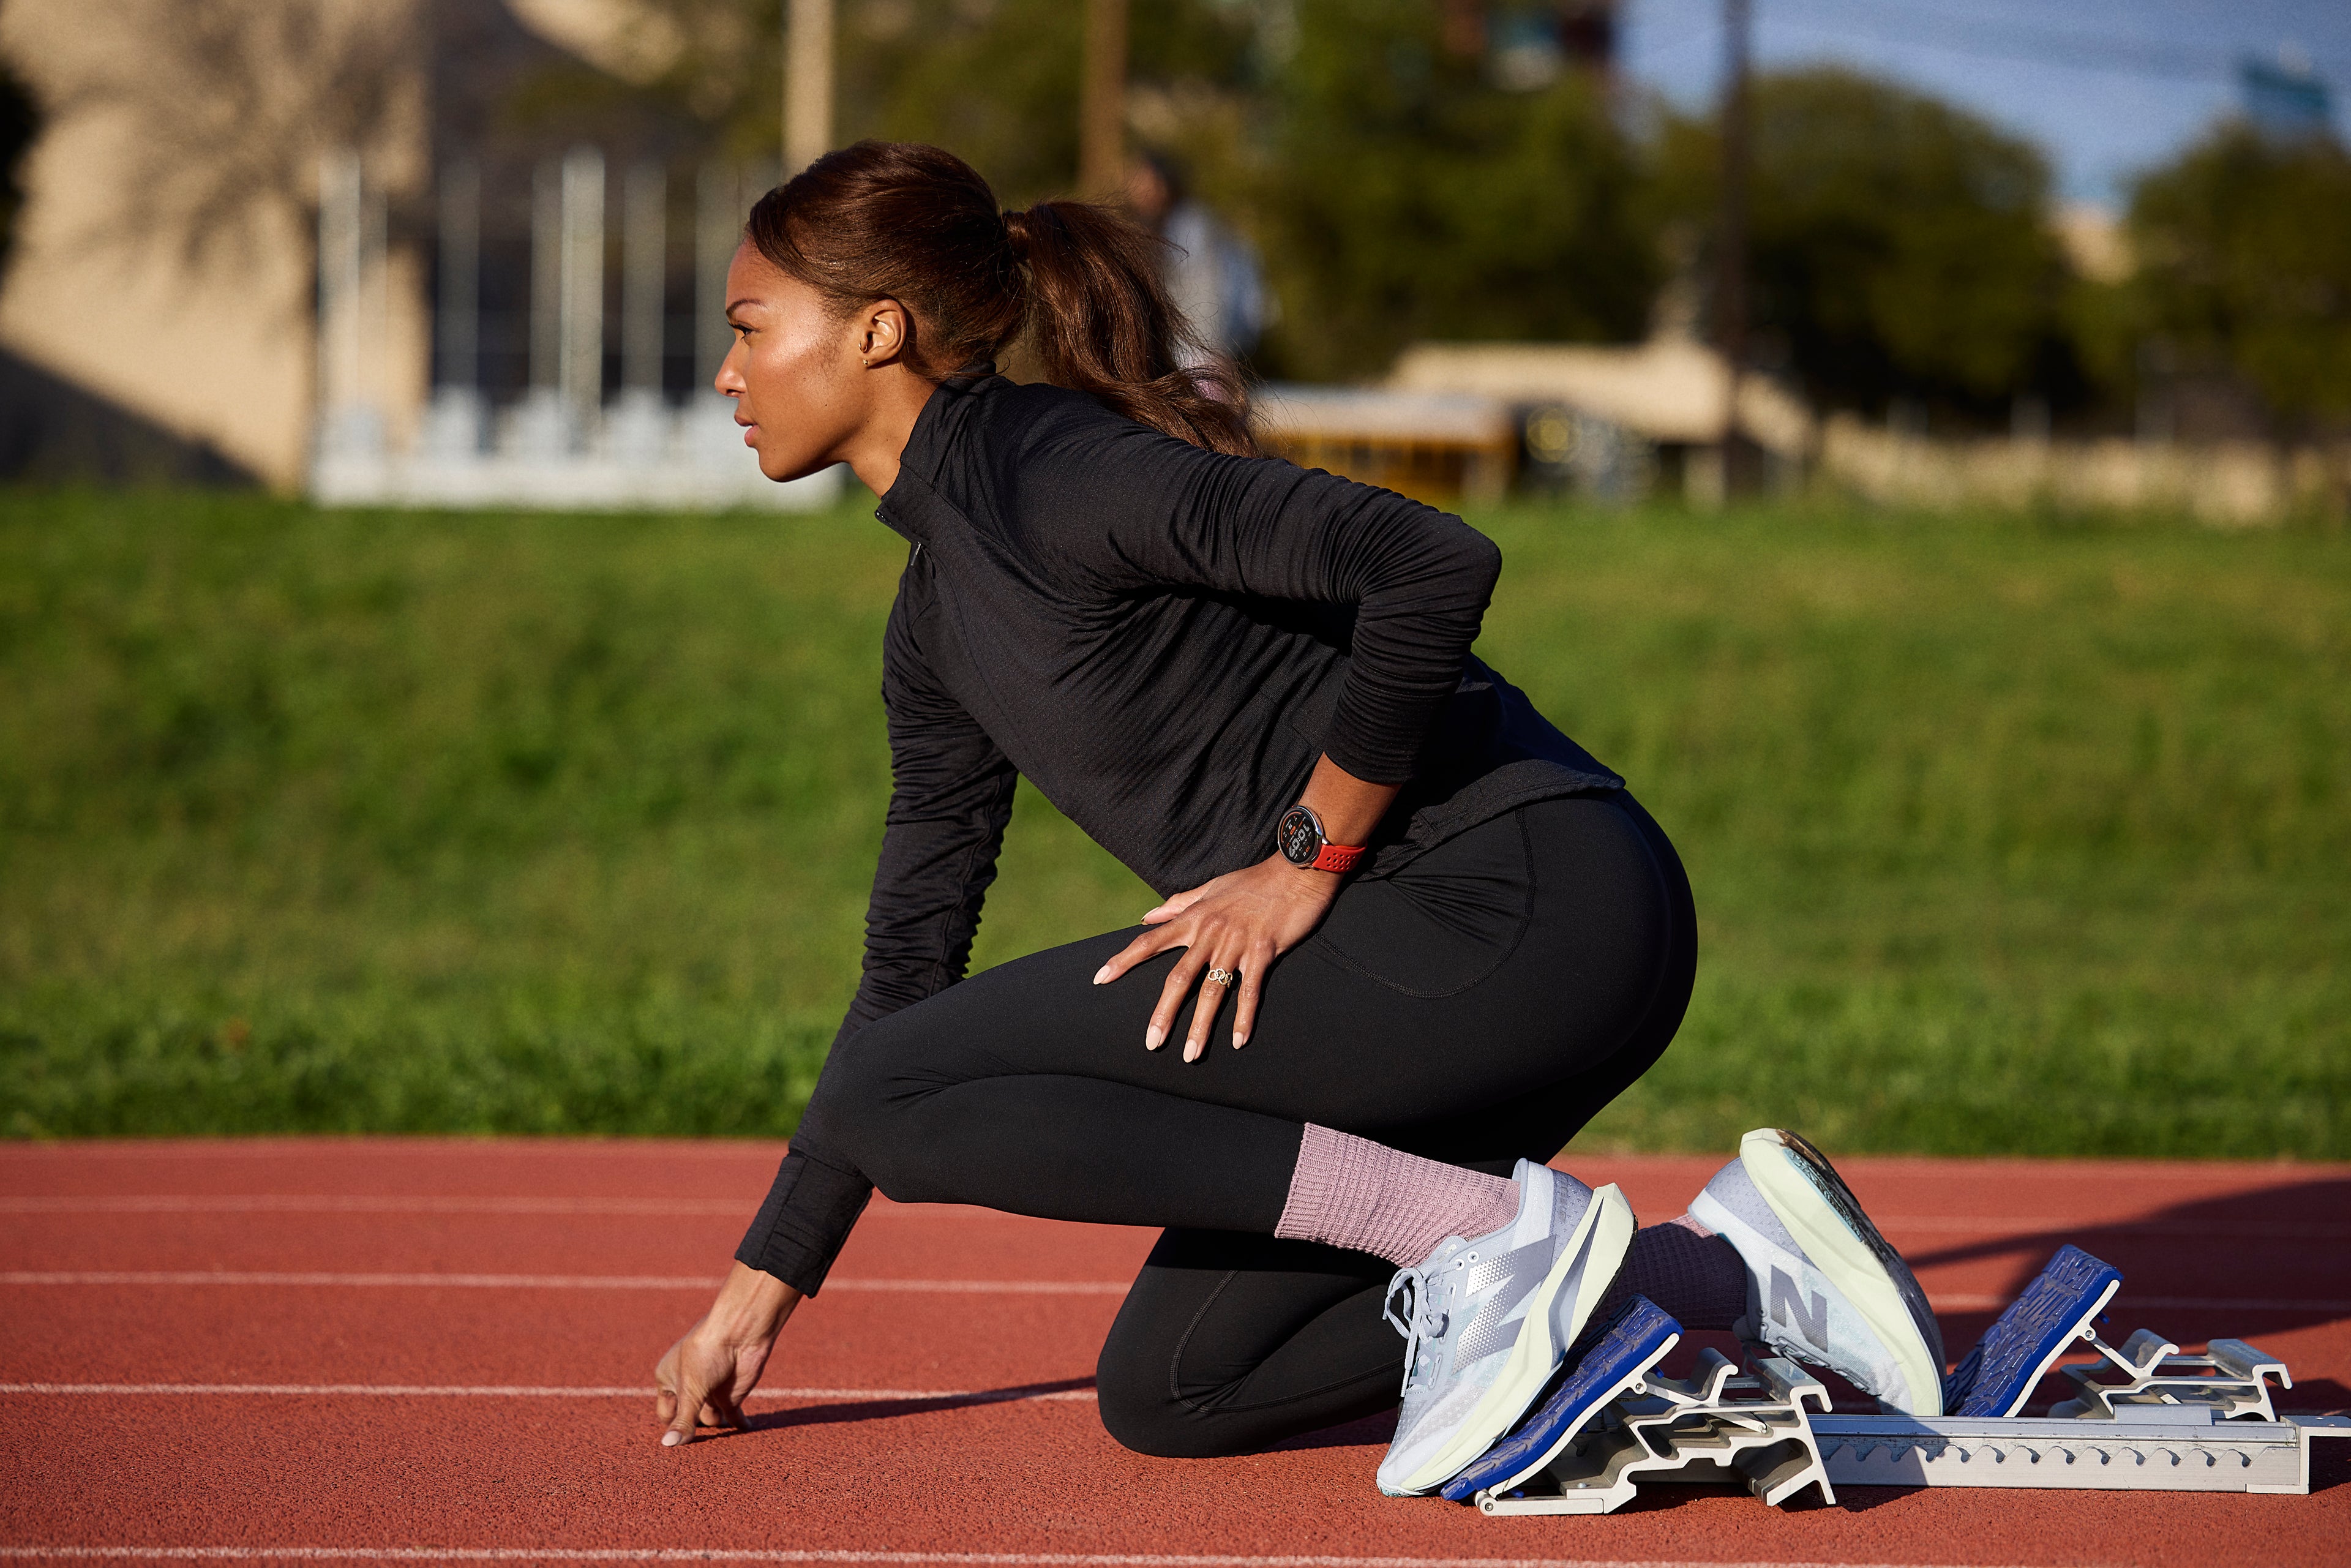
(885, 334)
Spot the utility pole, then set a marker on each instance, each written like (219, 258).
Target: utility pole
(808, 83)
(1101, 113)
(580, 285)
(1731, 285)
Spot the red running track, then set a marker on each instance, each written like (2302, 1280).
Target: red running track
(439, 1351)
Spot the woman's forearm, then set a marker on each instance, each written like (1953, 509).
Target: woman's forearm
(1350, 807)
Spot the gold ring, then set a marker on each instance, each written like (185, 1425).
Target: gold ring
(1223, 976)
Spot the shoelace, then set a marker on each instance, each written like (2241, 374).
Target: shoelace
(1425, 1316)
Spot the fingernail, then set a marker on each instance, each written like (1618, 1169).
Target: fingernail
(672, 1439)
(1101, 974)
(1154, 1036)
(1239, 1040)
(1191, 1050)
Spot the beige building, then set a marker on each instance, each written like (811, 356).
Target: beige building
(227, 247)
(161, 263)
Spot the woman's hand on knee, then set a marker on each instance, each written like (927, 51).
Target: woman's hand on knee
(1236, 925)
(708, 1374)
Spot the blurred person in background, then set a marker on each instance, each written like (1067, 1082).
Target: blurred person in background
(1211, 272)
(1446, 934)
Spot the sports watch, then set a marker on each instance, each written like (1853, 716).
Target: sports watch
(1302, 843)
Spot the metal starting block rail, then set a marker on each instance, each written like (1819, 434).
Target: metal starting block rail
(2144, 1417)
(2192, 1451)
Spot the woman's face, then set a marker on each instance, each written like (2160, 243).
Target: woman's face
(797, 370)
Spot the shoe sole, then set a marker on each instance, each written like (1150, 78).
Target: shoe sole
(1601, 1240)
(1826, 1220)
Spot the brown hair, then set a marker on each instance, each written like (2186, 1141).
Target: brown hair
(899, 220)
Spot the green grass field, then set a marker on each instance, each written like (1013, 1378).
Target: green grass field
(2007, 836)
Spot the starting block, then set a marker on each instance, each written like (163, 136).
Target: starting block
(1616, 1423)
(2144, 1417)
(2231, 1379)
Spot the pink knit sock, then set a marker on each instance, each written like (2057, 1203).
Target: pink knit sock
(1351, 1192)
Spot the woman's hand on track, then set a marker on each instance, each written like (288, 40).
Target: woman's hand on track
(1242, 921)
(708, 1374)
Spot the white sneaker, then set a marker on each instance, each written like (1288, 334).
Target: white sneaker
(1822, 1285)
(1487, 1320)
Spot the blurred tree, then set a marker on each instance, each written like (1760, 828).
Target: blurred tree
(994, 82)
(228, 105)
(1898, 246)
(2243, 246)
(1395, 190)
(1401, 193)
(20, 123)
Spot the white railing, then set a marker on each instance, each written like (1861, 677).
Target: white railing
(564, 444)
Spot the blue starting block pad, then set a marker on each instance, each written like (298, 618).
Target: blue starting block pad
(2060, 1306)
(1637, 1340)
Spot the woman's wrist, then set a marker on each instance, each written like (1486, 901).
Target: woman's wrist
(1303, 885)
(1349, 808)
(751, 1305)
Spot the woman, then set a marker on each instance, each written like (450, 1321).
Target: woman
(1411, 938)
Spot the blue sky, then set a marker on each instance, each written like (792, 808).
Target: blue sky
(2104, 87)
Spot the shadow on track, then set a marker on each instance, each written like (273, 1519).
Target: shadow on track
(2278, 1256)
(1368, 1431)
(887, 1409)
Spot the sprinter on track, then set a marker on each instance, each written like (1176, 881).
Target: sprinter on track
(1411, 936)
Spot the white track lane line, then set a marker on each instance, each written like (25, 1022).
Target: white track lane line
(2007, 1226)
(1993, 1227)
(1952, 1302)
(530, 1391)
(336, 1203)
(331, 1203)
(377, 1148)
(545, 1281)
(972, 1559)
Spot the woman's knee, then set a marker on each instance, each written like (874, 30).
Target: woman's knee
(1138, 1376)
(863, 1098)
(1137, 1403)
(1143, 1408)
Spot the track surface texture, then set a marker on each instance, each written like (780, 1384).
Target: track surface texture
(441, 1351)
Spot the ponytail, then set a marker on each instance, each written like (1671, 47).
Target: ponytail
(915, 224)
(1101, 321)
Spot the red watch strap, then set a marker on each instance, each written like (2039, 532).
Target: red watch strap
(1339, 857)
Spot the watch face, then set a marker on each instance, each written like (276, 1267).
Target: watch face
(1299, 837)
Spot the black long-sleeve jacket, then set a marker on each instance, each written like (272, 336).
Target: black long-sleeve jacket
(1163, 640)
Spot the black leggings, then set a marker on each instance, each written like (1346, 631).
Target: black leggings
(1478, 1007)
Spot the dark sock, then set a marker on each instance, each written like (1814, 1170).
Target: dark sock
(1698, 1281)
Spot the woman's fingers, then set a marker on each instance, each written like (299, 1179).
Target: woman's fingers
(686, 1411)
(1146, 945)
(1212, 995)
(1181, 981)
(665, 1385)
(1176, 904)
(696, 1379)
(1245, 1004)
(719, 1409)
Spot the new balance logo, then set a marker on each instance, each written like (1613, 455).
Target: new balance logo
(1788, 1311)
(1499, 1284)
